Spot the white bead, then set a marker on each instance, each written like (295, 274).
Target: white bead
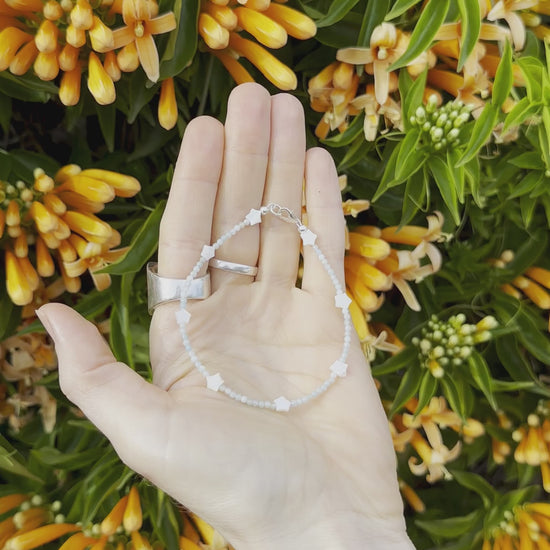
(339, 368)
(282, 404)
(214, 382)
(342, 300)
(208, 252)
(182, 316)
(308, 237)
(254, 216)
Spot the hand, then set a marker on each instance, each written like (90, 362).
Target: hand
(320, 476)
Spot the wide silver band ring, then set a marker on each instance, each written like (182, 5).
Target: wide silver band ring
(241, 269)
(165, 289)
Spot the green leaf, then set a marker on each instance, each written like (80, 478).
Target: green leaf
(503, 77)
(482, 377)
(374, 15)
(11, 315)
(407, 388)
(400, 7)
(454, 395)
(457, 172)
(521, 111)
(358, 150)
(477, 484)
(335, 13)
(348, 135)
(182, 43)
(470, 26)
(5, 112)
(527, 206)
(527, 184)
(143, 245)
(139, 95)
(106, 115)
(533, 71)
(412, 98)
(432, 17)
(530, 160)
(427, 389)
(451, 527)
(12, 462)
(481, 132)
(415, 196)
(407, 150)
(472, 176)
(513, 359)
(400, 360)
(444, 180)
(67, 461)
(27, 87)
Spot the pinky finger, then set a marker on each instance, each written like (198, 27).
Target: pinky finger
(326, 219)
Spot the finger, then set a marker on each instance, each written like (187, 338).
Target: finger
(187, 221)
(131, 412)
(247, 130)
(326, 220)
(280, 242)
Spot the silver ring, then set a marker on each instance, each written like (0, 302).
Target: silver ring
(165, 289)
(241, 269)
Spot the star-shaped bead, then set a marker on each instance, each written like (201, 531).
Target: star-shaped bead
(208, 252)
(214, 382)
(342, 300)
(182, 316)
(254, 216)
(339, 368)
(282, 404)
(308, 237)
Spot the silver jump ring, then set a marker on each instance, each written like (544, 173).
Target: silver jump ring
(241, 269)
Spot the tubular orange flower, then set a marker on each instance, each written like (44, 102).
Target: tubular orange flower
(533, 291)
(88, 225)
(364, 297)
(222, 14)
(114, 519)
(79, 202)
(78, 541)
(44, 261)
(213, 33)
(263, 28)
(75, 37)
(111, 66)
(67, 251)
(274, 70)
(24, 58)
(296, 24)
(45, 220)
(168, 107)
(139, 542)
(368, 247)
(100, 83)
(82, 16)
(89, 187)
(122, 184)
(127, 58)
(239, 74)
(41, 535)
(370, 275)
(11, 39)
(52, 10)
(69, 87)
(9, 502)
(132, 518)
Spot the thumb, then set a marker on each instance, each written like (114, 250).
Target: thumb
(131, 412)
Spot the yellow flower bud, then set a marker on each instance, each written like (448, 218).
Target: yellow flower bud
(17, 284)
(101, 36)
(540, 275)
(46, 66)
(2, 222)
(88, 225)
(24, 59)
(82, 16)
(213, 33)
(296, 23)
(68, 57)
(66, 171)
(372, 277)
(132, 517)
(75, 37)
(20, 245)
(13, 217)
(72, 284)
(264, 29)
(168, 107)
(40, 536)
(274, 70)
(52, 10)
(90, 187)
(84, 248)
(9, 502)
(358, 319)
(46, 36)
(114, 519)
(533, 291)
(99, 82)
(111, 66)
(368, 247)
(42, 182)
(45, 220)
(224, 15)
(44, 261)
(67, 251)
(79, 202)
(54, 203)
(69, 87)
(127, 58)
(11, 39)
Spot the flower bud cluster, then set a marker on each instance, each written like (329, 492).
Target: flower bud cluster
(440, 126)
(451, 342)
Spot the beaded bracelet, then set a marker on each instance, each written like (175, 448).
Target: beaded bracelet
(215, 382)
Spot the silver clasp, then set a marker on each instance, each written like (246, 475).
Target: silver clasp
(284, 213)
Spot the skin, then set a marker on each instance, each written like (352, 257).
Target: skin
(320, 476)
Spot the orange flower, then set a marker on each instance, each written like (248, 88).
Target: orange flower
(168, 107)
(142, 22)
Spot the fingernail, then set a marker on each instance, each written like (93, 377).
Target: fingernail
(48, 325)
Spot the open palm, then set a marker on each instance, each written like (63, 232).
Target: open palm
(319, 476)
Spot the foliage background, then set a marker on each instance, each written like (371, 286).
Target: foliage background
(490, 185)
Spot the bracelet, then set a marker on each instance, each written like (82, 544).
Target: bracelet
(215, 382)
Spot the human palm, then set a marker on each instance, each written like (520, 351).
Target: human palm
(263, 478)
